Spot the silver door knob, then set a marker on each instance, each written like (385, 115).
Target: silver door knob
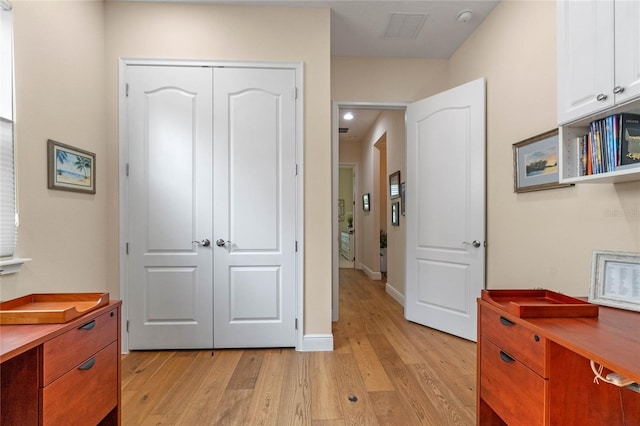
(222, 243)
(475, 243)
(203, 243)
(601, 97)
(618, 89)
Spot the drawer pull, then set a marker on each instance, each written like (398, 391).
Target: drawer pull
(88, 365)
(506, 322)
(88, 326)
(506, 358)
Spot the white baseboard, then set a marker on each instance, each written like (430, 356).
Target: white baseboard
(316, 343)
(397, 296)
(371, 274)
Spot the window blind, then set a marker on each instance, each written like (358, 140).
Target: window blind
(7, 172)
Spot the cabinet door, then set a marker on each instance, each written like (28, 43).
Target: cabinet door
(585, 58)
(627, 38)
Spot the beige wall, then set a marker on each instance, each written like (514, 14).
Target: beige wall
(389, 131)
(60, 72)
(540, 239)
(67, 89)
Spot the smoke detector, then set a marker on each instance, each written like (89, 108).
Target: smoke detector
(465, 15)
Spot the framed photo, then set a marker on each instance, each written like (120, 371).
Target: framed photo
(366, 206)
(394, 185)
(535, 163)
(615, 279)
(395, 214)
(70, 169)
(341, 210)
(402, 198)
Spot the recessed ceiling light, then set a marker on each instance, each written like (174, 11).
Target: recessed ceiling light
(348, 116)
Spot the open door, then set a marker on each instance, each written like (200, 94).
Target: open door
(446, 209)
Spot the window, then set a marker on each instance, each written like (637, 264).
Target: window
(8, 216)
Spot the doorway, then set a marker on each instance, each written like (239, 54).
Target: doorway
(370, 185)
(346, 207)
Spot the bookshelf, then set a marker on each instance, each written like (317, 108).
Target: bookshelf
(598, 76)
(569, 156)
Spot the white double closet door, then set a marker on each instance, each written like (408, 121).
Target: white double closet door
(211, 207)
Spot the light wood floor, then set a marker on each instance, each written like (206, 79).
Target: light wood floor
(383, 371)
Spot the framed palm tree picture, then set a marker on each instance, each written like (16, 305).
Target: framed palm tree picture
(70, 169)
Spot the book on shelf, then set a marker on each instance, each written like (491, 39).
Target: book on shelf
(612, 143)
(630, 139)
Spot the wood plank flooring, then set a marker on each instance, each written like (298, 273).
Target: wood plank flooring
(384, 370)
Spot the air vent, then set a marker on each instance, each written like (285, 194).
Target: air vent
(404, 26)
(343, 129)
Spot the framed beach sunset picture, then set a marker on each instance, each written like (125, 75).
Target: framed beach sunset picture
(70, 169)
(535, 163)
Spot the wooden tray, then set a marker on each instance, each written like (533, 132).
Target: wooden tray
(539, 304)
(50, 308)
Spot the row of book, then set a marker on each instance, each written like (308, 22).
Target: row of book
(613, 143)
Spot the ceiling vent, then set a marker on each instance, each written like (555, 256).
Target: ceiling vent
(342, 129)
(404, 26)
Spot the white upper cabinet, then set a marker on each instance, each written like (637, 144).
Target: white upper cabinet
(598, 56)
(627, 50)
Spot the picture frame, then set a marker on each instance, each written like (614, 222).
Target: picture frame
(341, 210)
(535, 163)
(70, 168)
(366, 202)
(614, 279)
(395, 214)
(403, 190)
(394, 185)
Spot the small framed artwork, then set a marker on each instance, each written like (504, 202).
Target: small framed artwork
(535, 163)
(394, 185)
(615, 279)
(341, 210)
(366, 206)
(395, 214)
(70, 169)
(402, 198)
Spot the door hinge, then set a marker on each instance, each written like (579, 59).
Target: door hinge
(127, 326)
(296, 246)
(296, 323)
(296, 93)
(296, 169)
(126, 169)
(126, 90)
(126, 248)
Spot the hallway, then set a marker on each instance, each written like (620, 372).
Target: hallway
(383, 371)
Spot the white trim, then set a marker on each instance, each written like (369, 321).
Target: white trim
(13, 265)
(316, 343)
(124, 230)
(370, 272)
(395, 294)
(335, 164)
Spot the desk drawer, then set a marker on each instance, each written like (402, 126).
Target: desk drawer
(86, 394)
(71, 348)
(513, 391)
(515, 339)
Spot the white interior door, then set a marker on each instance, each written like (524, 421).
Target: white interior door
(170, 206)
(254, 218)
(446, 209)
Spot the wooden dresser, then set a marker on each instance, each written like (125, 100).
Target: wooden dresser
(536, 371)
(62, 374)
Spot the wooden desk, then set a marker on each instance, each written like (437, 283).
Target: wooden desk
(62, 373)
(536, 371)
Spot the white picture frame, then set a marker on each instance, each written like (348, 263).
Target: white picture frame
(615, 279)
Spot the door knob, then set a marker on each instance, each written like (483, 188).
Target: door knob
(475, 243)
(203, 243)
(222, 243)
